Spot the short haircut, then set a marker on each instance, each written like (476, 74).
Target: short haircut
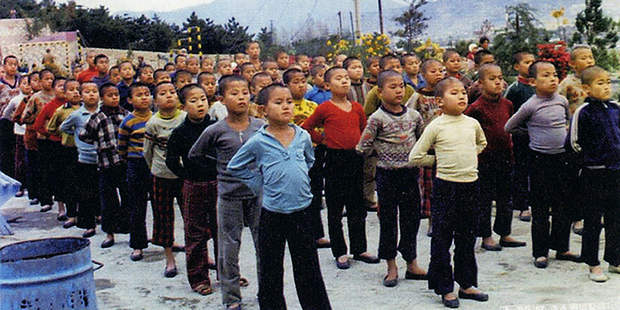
(257, 76)
(144, 68)
(444, 85)
(83, 85)
(385, 59)
(371, 61)
(404, 58)
(245, 65)
(533, 70)
(186, 89)
(157, 73)
(449, 53)
(203, 75)
(298, 57)
(176, 58)
(288, 75)
(159, 85)
(427, 63)
(23, 78)
(169, 64)
(114, 68)
(45, 71)
(280, 52)
(178, 74)
(590, 74)
(314, 70)
(104, 88)
(484, 70)
(330, 72)
(266, 64)
(220, 62)
(573, 52)
(263, 95)
(479, 54)
(226, 80)
(101, 56)
(519, 57)
(384, 76)
(483, 39)
(58, 79)
(32, 74)
(136, 85)
(69, 81)
(347, 62)
(247, 45)
(126, 62)
(9, 57)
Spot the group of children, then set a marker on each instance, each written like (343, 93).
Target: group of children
(258, 147)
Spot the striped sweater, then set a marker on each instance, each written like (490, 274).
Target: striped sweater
(131, 135)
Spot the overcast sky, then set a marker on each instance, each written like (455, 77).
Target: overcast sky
(139, 5)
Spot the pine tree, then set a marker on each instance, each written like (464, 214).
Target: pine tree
(598, 31)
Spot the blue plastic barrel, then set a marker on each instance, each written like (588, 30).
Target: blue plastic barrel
(54, 273)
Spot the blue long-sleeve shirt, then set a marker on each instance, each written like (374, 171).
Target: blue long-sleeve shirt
(74, 125)
(595, 132)
(282, 173)
(318, 95)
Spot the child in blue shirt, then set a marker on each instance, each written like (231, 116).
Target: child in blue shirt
(283, 154)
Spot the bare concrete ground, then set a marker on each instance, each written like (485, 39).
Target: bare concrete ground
(509, 276)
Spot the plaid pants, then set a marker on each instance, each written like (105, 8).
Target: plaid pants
(164, 192)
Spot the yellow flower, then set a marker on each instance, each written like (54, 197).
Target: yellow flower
(370, 50)
(329, 43)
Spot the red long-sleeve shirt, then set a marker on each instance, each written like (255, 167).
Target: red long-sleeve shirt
(342, 129)
(46, 114)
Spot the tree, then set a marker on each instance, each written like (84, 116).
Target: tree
(598, 31)
(523, 32)
(413, 24)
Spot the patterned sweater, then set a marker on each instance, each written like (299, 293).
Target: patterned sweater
(158, 130)
(131, 135)
(102, 131)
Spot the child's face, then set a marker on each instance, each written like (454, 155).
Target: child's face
(339, 82)
(237, 98)
(35, 83)
(280, 107)
(2, 71)
(523, 66)
(46, 81)
(169, 68)
(73, 92)
(10, 67)
(140, 98)
(374, 69)
(127, 72)
(318, 79)
(546, 80)
(393, 91)
(181, 63)
(24, 87)
(59, 89)
(103, 65)
(146, 76)
(283, 61)
(434, 73)
(76, 71)
(412, 66)
(318, 60)
(487, 59)
(163, 77)
(167, 98)
(253, 51)
(272, 70)
(115, 76)
(600, 88)
(248, 72)
(207, 65)
(182, 80)
(196, 104)
(493, 82)
(261, 83)
(240, 59)
(356, 70)
(90, 59)
(304, 62)
(208, 84)
(393, 64)
(90, 94)
(339, 60)
(298, 86)
(453, 64)
(583, 59)
(193, 66)
(454, 100)
(224, 68)
(110, 97)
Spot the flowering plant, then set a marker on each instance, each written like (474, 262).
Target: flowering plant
(556, 54)
(372, 44)
(430, 50)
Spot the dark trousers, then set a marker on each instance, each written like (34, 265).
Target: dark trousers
(115, 213)
(343, 187)
(139, 183)
(274, 231)
(549, 196)
(316, 187)
(32, 173)
(68, 179)
(602, 187)
(455, 211)
(399, 197)
(521, 173)
(495, 186)
(88, 199)
(199, 224)
(20, 161)
(7, 148)
(164, 192)
(49, 155)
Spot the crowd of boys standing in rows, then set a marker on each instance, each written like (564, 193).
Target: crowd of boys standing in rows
(249, 143)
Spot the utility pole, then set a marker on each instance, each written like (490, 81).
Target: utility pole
(352, 29)
(380, 17)
(358, 18)
(340, 21)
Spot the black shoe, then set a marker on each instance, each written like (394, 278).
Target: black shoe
(474, 296)
(540, 263)
(454, 303)
(170, 273)
(34, 202)
(345, 265)
(89, 233)
(68, 224)
(494, 248)
(569, 257)
(390, 283)
(415, 276)
(136, 257)
(212, 266)
(62, 217)
(323, 245)
(107, 243)
(511, 244)
(178, 248)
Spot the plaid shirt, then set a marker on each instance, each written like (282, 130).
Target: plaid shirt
(102, 131)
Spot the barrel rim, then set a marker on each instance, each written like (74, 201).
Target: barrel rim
(83, 243)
